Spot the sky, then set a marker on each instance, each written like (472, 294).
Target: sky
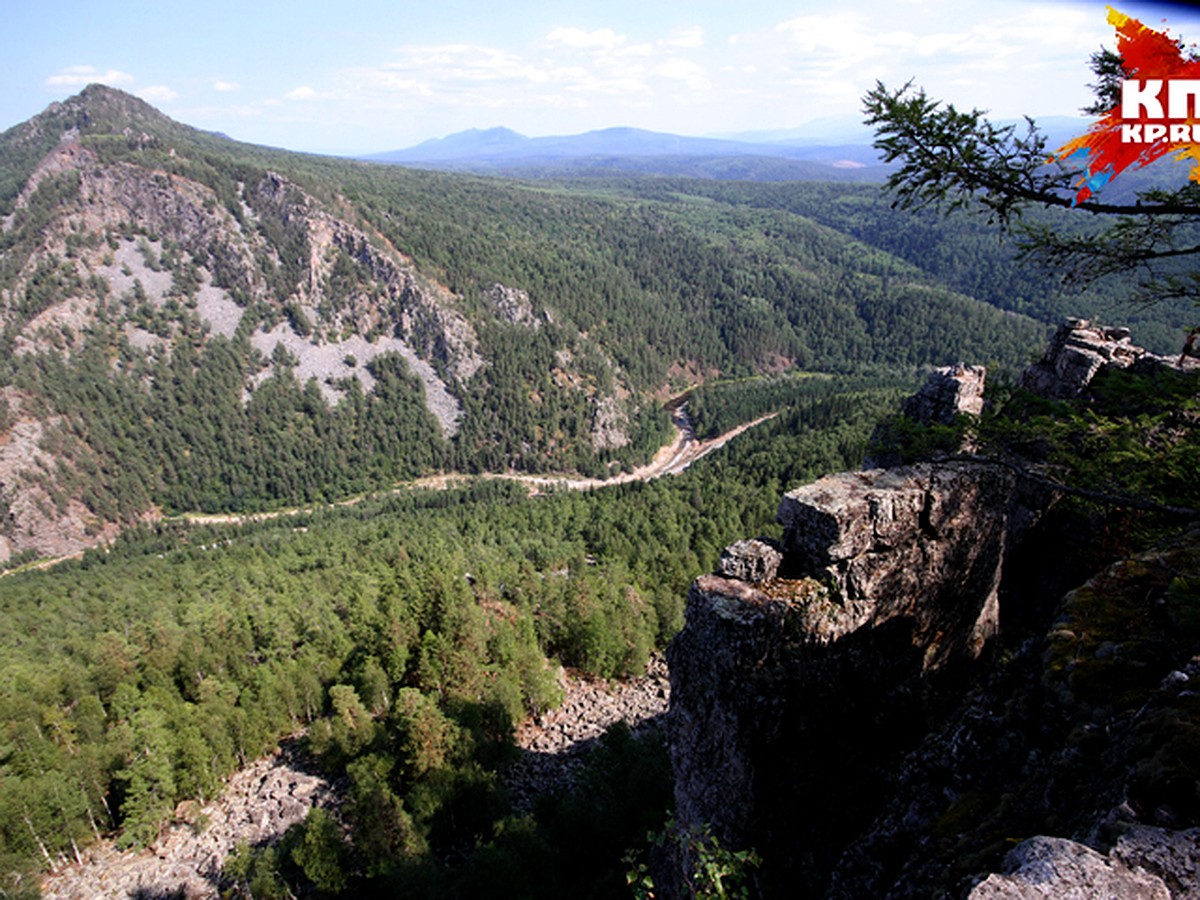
(366, 76)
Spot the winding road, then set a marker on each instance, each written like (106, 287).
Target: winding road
(671, 459)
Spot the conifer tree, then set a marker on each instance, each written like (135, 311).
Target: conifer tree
(951, 160)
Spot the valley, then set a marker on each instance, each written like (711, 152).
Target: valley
(353, 475)
(671, 459)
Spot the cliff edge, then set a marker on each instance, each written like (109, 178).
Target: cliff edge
(842, 702)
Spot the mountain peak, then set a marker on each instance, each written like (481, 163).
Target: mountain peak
(100, 107)
(470, 143)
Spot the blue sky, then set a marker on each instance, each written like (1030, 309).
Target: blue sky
(367, 76)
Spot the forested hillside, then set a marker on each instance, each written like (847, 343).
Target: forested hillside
(964, 252)
(191, 323)
(409, 634)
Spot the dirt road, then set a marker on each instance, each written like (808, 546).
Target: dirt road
(671, 459)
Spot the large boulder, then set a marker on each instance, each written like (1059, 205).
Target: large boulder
(1077, 353)
(948, 393)
(754, 561)
(923, 542)
(1059, 869)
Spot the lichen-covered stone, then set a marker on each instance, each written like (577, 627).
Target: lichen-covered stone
(924, 541)
(1059, 869)
(753, 561)
(947, 393)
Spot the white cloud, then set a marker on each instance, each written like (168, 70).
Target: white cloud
(1004, 58)
(635, 50)
(690, 74)
(449, 69)
(157, 93)
(81, 76)
(602, 39)
(306, 93)
(685, 37)
(226, 86)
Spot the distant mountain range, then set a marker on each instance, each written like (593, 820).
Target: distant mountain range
(506, 144)
(823, 150)
(636, 149)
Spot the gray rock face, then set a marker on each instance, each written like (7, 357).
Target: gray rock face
(408, 312)
(948, 392)
(724, 715)
(1047, 867)
(513, 306)
(753, 561)
(1173, 856)
(925, 542)
(1078, 351)
(610, 424)
(883, 576)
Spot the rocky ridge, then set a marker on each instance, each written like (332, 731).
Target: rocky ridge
(818, 707)
(117, 198)
(132, 223)
(1077, 353)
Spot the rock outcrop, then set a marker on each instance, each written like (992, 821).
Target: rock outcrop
(948, 395)
(924, 543)
(884, 578)
(753, 561)
(513, 306)
(834, 705)
(948, 392)
(1045, 867)
(1147, 863)
(1078, 352)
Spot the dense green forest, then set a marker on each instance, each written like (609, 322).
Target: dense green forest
(409, 633)
(964, 252)
(638, 286)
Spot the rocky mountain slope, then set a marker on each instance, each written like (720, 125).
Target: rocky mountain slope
(129, 240)
(189, 323)
(257, 806)
(885, 701)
